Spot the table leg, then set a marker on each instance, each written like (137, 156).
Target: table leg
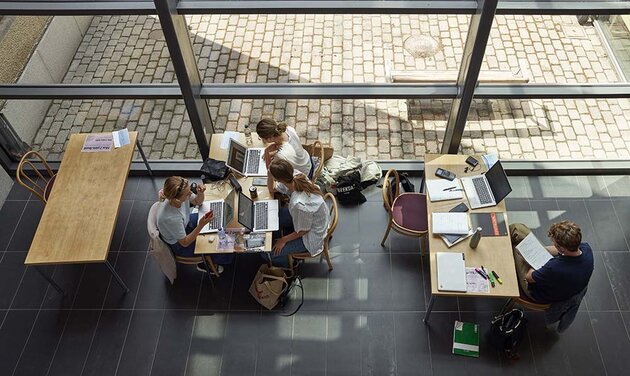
(144, 158)
(429, 309)
(50, 280)
(208, 269)
(118, 279)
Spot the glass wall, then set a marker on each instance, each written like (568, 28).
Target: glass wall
(616, 31)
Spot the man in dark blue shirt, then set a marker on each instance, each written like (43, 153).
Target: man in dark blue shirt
(562, 277)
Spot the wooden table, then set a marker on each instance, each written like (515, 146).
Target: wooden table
(493, 252)
(78, 221)
(217, 191)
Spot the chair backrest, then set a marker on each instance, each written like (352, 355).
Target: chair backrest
(333, 214)
(318, 151)
(27, 168)
(390, 191)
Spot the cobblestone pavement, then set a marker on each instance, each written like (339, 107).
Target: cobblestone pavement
(346, 48)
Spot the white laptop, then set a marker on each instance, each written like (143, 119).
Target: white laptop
(451, 271)
(260, 215)
(247, 162)
(487, 189)
(223, 213)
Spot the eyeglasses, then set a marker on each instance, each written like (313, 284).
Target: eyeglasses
(181, 187)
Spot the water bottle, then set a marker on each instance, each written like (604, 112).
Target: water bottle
(221, 237)
(248, 134)
(475, 238)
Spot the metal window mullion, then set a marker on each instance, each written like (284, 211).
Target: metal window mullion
(474, 51)
(184, 62)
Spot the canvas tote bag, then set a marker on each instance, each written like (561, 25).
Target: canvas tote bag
(268, 285)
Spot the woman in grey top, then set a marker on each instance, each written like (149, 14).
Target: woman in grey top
(305, 219)
(284, 144)
(179, 227)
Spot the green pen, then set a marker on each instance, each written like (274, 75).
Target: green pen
(491, 279)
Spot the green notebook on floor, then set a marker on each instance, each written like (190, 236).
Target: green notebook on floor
(466, 339)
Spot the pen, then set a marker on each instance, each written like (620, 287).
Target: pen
(496, 276)
(448, 189)
(485, 272)
(491, 279)
(480, 273)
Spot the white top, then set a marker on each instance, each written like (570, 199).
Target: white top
(172, 221)
(310, 213)
(296, 155)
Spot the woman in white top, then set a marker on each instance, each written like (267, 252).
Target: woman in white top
(305, 219)
(285, 144)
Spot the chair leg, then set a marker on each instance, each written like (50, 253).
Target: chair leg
(425, 245)
(389, 227)
(213, 268)
(290, 263)
(330, 267)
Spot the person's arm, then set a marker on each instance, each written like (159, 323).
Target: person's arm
(271, 184)
(201, 188)
(280, 243)
(529, 276)
(270, 152)
(190, 238)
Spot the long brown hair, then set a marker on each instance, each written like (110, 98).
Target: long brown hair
(268, 128)
(282, 171)
(173, 187)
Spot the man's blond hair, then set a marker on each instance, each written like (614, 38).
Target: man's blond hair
(566, 234)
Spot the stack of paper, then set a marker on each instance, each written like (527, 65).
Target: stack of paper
(442, 189)
(466, 339)
(450, 223)
(533, 252)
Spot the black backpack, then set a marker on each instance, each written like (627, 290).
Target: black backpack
(349, 189)
(507, 331)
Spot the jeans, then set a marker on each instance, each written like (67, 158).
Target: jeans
(189, 251)
(294, 246)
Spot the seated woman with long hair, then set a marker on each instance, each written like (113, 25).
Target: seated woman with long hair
(304, 220)
(179, 227)
(284, 144)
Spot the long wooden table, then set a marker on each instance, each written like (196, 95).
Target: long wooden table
(78, 221)
(493, 252)
(217, 191)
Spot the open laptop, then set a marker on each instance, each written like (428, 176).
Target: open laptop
(487, 189)
(261, 215)
(223, 213)
(247, 162)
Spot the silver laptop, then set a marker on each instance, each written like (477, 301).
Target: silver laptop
(261, 215)
(223, 213)
(488, 189)
(247, 162)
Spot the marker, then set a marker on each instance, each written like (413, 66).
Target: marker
(491, 279)
(485, 272)
(497, 277)
(480, 273)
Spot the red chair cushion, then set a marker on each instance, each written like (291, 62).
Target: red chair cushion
(410, 211)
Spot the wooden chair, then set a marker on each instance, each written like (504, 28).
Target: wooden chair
(333, 216)
(524, 302)
(407, 211)
(316, 150)
(43, 184)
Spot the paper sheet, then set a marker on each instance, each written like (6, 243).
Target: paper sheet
(440, 189)
(533, 251)
(95, 143)
(475, 282)
(121, 138)
(227, 136)
(450, 223)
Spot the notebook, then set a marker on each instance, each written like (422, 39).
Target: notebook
(533, 251)
(466, 339)
(442, 189)
(450, 223)
(451, 271)
(492, 224)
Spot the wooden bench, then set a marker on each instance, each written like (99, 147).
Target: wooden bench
(450, 76)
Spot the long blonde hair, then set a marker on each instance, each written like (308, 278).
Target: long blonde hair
(173, 187)
(268, 128)
(282, 171)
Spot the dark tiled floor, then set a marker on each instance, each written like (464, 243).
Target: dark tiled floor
(365, 317)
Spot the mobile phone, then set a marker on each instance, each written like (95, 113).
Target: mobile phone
(444, 174)
(207, 215)
(261, 182)
(472, 162)
(461, 208)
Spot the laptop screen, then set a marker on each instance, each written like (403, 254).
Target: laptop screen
(236, 156)
(498, 181)
(245, 211)
(228, 209)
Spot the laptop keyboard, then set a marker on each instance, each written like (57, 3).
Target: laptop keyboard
(217, 210)
(253, 161)
(482, 191)
(260, 222)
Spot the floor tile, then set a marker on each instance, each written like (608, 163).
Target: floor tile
(600, 295)
(184, 293)
(41, 346)
(413, 355)
(378, 348)
(613, 341)
(138, 353)
(606, 224)
(11, 272)
(129, 266)
(240, 346)
(14, 335)
(25, 231)
(218, 297)
(18, 192)
(596, 185)
(136, 237)
(547, 212)
(441, 303)
(274, 344)
(154, 286)
(33, 288)
(107, 343)
(68, 277)
(343, 344)
(309, 338)
(148, 188)
(10, 214)
(131, 187)
(372, 225)
(314, 277)
(617, 265)
(617, 186)
(622, 209)
(95, 282)
(75, 343)
(520, 187)
(172, 351)
(245, 271)
(206, 347)
(443, 362)
(121, 225)
(407, 283)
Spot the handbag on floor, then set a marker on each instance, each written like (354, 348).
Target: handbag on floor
(507, 331)
(268, 285)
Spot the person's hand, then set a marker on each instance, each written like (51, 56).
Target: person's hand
(201, 188)
(206, 218)
(277, 248)
(270, 151)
